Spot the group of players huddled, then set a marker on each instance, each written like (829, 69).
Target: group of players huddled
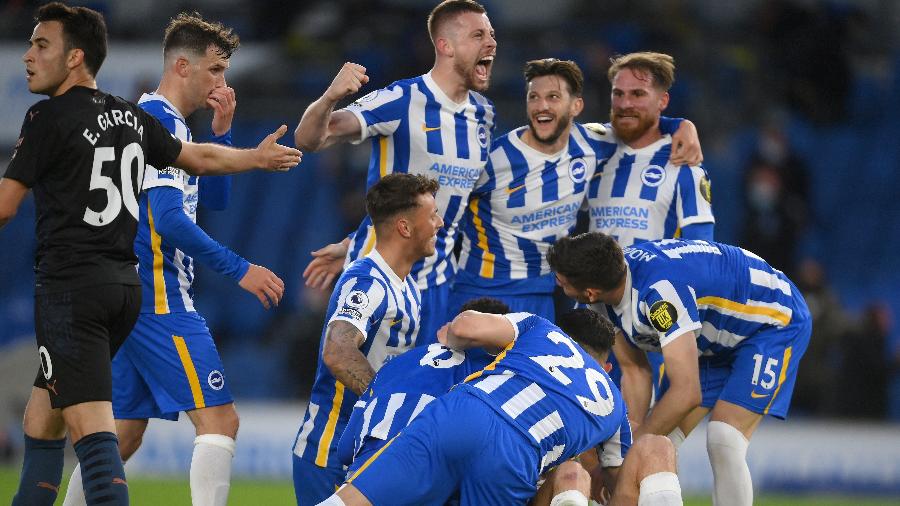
(441, 379)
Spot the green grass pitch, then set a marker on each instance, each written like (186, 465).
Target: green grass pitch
(146, 490)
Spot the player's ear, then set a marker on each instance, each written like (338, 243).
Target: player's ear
(664, 101)
(404, 227)
(577, 106)
(444, 46)
(74, 58)
(182, 66)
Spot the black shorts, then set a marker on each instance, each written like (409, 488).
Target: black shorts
(78, 332)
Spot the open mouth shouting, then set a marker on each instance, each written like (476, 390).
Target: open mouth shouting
(483, 67)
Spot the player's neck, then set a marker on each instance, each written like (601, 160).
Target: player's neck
(647, 138)
(450, 82)
(396, 255)
(548, 149)
(172, 92)
(75, 79)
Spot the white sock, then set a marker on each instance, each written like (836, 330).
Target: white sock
(677, 437)
(211, 469)
(660, 489)
(75, 491)
(727, 449)
(334, 500)
(569, 498)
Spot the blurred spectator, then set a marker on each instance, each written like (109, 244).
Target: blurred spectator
(776, 185)
(866, 365)
(820, 372)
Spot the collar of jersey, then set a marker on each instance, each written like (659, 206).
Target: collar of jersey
(649, 149)
(442, 97)
(517, 141)
(149, 97)
(379, 260)
(624, 305)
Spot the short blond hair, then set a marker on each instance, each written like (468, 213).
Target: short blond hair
(660, 66)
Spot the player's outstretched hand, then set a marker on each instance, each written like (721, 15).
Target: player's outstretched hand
(686, 146)
(326, 264)
(223, 102)
(274, 156)
(348, 81)
(263, 283)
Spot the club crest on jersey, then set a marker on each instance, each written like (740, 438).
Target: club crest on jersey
(653, 175)
(662, 315)
(482, 136)
(577, 170)
(706, 189)
(216, 380)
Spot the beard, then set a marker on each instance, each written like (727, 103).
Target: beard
(562, 124)
(630, 133)
(467, 72)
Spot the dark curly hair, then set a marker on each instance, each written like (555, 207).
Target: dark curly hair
(591, 260)
(588, 328)
(396, 193)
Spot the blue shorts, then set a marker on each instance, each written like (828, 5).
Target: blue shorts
(760, 373)
(314, 484)
(540, 304)
(169, 363)
(458, 443)
(433, 314)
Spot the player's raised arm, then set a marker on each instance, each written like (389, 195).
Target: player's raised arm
(341, 355)
(637, 379)
(321, 126)
(684, 392)
(216, 159)
(12, 193)
(472, 329)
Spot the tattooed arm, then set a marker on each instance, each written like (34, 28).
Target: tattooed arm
(342, 356)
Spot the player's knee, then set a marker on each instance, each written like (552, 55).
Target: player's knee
(656, 453)
(723, 439)
(222, 420)
(129, 444)
(571, 475)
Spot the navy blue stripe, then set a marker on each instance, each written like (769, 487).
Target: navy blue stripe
(594, 187)
(519, 168)
(394, 330)
(532, 256)
(659, 160)
(549, 182)
(687, 191)
(462, 135)
(623, 173)
(432, 120)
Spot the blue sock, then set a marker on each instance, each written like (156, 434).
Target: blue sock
(102, 473)
(41, 472)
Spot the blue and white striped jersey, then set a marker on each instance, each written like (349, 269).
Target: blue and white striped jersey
(546, 385)
(415, 128)
(725, 293)
(166, 272)
(401, 390)
(637, 195)
(522, 203)
(385, 308)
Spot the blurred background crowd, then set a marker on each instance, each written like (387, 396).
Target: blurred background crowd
(796, 102)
